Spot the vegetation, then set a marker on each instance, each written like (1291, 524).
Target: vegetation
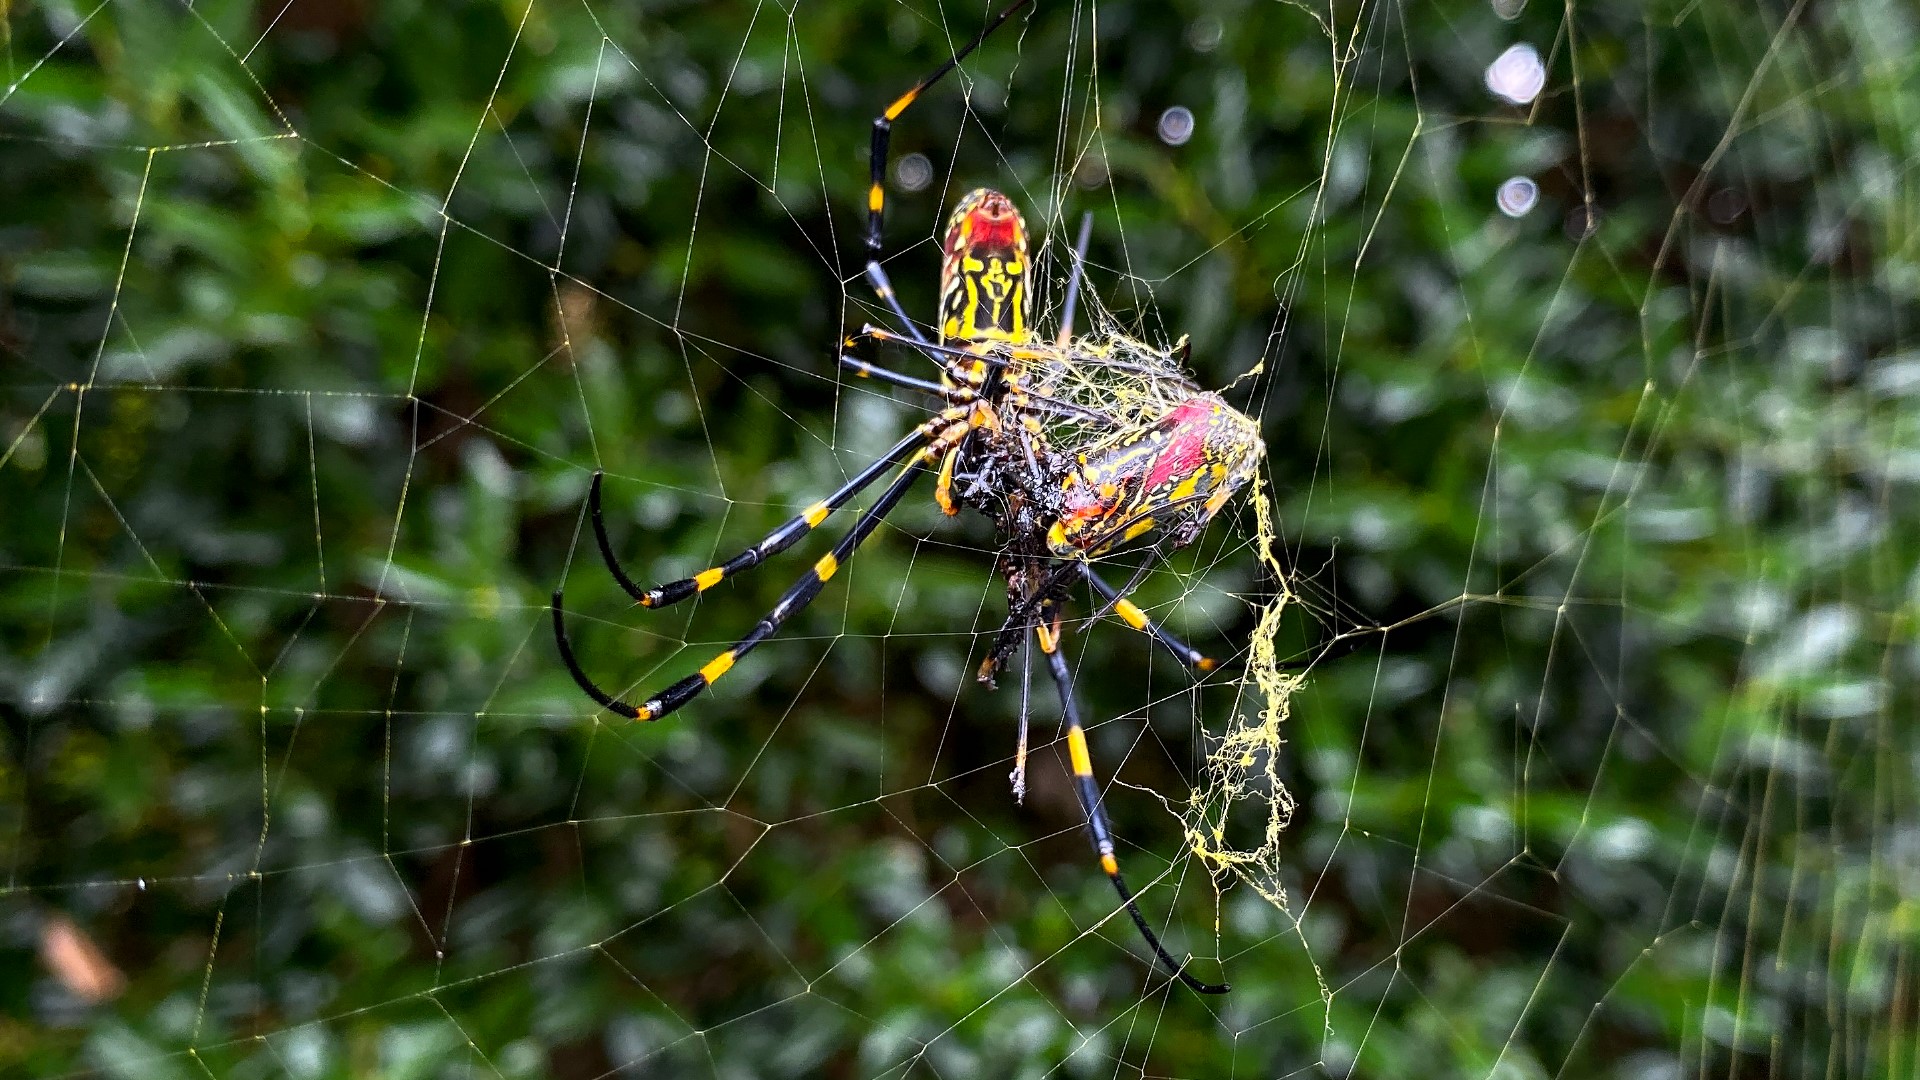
(316, 318)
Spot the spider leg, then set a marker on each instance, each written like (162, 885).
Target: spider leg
(1048, 633)
(871, 371)
(978, 415)
(944, 355)
(1073, 280)
(952, 361)
(996, 364)
(780, 539)
(883, 287)
(1131, 614)
(792, 601)
(882, 136)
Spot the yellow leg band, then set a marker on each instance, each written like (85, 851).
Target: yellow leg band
(900, 105)
(1077, 750)
(707, 579)
(717, 667)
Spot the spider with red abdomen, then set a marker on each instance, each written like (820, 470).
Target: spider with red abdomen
(1073, 446)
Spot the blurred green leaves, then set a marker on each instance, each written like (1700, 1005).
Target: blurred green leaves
(316, 318)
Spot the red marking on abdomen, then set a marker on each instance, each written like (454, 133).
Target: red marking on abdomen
(986, 221)
(1186, 448)
(988, 231)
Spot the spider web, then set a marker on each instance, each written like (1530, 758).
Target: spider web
(1565, 633)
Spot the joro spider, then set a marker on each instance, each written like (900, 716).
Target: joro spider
(1073, 446)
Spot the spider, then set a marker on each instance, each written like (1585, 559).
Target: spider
(1073, 447)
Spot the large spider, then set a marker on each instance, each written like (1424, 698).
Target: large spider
(1074, 446)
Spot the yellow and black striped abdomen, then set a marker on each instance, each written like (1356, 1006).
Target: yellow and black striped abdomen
(985, 294)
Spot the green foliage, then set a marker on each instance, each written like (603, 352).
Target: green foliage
(316, 319)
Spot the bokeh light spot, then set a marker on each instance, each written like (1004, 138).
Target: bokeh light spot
(1517, 196)
(1518, 75)
(1176, 125)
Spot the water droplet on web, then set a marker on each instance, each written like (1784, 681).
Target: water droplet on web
(1517, 196)
(1176, 125)
(1518, 75)
(140, 883)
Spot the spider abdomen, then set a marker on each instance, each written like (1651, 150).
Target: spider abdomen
(983, 272)
(1172, 476)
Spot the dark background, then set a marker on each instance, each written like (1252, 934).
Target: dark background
(1599, 522)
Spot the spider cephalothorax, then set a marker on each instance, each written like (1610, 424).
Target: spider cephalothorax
(1073, 446)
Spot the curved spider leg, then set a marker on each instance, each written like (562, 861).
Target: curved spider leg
(1131, 614)
(1073, 280)
(792, 601)
(878, 157)
(780, 539)
(1048, 633)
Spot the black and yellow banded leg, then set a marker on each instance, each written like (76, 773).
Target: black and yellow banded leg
(882, 136)
(978, 416)
(792, 601)
(1131, 614)
(1048, 632)
(780, 539)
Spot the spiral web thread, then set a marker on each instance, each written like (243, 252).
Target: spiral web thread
(1756, 916)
